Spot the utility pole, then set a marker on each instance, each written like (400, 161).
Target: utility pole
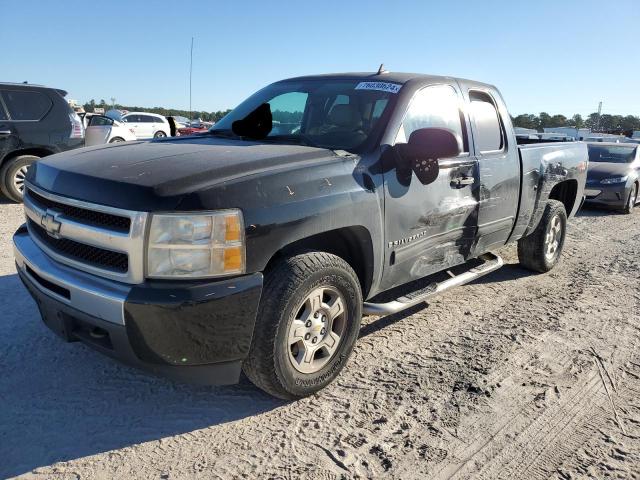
(113, 102)
(599, 114)
(190, 73)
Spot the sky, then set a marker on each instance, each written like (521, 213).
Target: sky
(554, 56)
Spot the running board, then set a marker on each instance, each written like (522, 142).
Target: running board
(491, 263)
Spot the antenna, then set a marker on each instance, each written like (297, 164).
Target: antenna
(190, 72)
(381, 70)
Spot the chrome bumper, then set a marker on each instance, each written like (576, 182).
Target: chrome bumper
(101, 298)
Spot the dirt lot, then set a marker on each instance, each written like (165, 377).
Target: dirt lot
(516, 376)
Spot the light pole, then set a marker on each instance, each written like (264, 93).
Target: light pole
(190, 72)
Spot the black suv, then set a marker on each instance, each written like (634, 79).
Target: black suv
(35, 121)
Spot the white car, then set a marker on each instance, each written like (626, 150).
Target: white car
(101, 129)
(147, 125)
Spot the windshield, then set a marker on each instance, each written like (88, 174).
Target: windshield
(335, 114)
(599, 153)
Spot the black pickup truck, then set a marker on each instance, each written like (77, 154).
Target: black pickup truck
(259, 245)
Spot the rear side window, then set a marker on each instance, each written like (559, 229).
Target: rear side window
(489, 134)
(437, 106)
(26, 105)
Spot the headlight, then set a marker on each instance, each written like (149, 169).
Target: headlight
(194, 246)
(609, 181)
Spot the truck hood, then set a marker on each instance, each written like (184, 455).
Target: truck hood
(156, 175)
(600, 170)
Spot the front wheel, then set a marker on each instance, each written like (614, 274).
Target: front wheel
(631, 201)
(307, 325)
(160, 134)
(540, 251)
(116, 140)
(13, 175)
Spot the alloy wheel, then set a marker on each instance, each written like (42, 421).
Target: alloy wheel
(20, 177)
(316, 331)
(553, 238)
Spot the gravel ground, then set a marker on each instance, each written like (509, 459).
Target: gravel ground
(515, 376)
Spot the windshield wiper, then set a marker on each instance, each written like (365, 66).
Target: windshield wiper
(296, 138)
(224, 133)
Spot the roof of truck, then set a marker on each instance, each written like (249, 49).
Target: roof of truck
(394, 77)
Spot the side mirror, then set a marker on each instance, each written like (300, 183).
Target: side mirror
(425, 147)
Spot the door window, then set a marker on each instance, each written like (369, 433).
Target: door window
(3, 114)
(489, 133)
(434, 107)
(26, 105)
(132, 119)
(99, 121)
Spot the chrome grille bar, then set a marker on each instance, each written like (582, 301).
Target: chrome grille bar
(59, 225)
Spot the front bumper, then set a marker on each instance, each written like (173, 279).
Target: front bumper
(615, 195)
(195, 331)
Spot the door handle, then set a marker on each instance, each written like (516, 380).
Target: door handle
(462, 181)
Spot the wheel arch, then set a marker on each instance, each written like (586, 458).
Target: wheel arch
(353, 244)
(36, 151)
(567, 193)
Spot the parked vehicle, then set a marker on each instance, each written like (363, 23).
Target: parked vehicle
(181, 121)
(263, 250)
(102, 129)
(35, 121)
(147, 125)
(193, 128)
(614, 175)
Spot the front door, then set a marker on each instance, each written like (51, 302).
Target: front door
(429, 228)
(135, 124)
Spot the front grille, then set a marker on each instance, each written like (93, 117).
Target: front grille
(100, 219)
(98, 257)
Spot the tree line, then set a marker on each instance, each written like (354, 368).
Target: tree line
(203, 115)
(606, 123)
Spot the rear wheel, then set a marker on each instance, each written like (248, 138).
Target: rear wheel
(540, 251)
(13, 175)
(116, 140)
(160, 134)
(308, 322)
(631, 201)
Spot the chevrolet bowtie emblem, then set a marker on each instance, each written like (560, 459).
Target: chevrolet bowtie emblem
(50, 224)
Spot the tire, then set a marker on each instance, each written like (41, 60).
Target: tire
(159, 134)
(631, 200)
(292, 327)
(116, 140)
(12, 176)
(541, 250)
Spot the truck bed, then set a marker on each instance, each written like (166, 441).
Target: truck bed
(542, 166)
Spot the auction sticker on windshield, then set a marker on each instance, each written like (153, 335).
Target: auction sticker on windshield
(383, 86)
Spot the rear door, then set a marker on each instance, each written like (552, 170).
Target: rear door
(499, 165)
(147, 125)
(429, 228)
(99, 130)
(7, 135)
(26, 110)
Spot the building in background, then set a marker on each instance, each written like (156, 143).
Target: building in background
(577, 133)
